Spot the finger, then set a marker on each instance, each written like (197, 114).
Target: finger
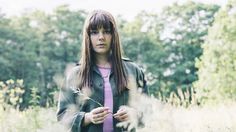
(122, 108)
(98, 122)
(109, 111)
(120, 119)
(103, 114)
(124, 117)
(99, 119)
(100, 109)
(120, 113)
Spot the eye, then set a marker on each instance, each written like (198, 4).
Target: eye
(93, 32)
(107, 31)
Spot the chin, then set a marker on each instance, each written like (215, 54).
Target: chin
(101, 51)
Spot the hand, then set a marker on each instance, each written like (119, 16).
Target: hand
(124, 113)
(96, 116)
(128, 117)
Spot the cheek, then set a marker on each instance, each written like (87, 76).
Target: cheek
(92, 42)
(110, 40)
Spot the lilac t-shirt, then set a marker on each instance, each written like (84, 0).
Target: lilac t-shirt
(108, 98)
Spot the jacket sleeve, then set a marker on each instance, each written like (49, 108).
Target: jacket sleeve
(141, 81)
(68, 112)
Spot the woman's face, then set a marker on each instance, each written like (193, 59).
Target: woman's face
(101, 40)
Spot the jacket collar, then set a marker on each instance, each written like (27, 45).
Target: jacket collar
(95, 69)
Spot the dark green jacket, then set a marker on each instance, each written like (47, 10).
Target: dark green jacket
(73, 105)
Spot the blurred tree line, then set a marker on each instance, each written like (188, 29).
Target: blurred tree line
(217, 65)
(36, 47)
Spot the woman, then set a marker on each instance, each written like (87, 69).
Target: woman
(104, 73)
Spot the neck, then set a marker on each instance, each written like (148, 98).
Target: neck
(102, 60)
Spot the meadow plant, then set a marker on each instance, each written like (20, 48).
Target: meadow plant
(34, 119)
(164, 117)
(34, 101)
(155, 116)
(11, 93)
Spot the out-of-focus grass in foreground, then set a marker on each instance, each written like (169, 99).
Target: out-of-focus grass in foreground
(31, 120)
(158, 117)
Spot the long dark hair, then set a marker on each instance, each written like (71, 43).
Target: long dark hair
(95, 20)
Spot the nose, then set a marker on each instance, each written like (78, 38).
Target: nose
(101, 36)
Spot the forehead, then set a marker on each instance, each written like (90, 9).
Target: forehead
(99, 21)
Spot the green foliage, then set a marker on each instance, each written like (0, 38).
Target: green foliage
(36, 46)
(41, 45)
(217, 65)
(166, 45)
(35, 98)
(11, 93)
(183, 32)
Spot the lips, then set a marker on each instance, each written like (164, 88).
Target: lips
(101, 45)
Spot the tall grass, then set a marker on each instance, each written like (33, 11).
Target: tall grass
(180, 113)
(162, 117)
(31, 120)
(166, 117)
(157, 117)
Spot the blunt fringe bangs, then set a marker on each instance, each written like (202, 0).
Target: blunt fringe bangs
(100, 20)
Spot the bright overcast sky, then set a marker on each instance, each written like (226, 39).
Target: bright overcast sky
(126, 8)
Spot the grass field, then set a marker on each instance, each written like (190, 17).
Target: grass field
(158, 117)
